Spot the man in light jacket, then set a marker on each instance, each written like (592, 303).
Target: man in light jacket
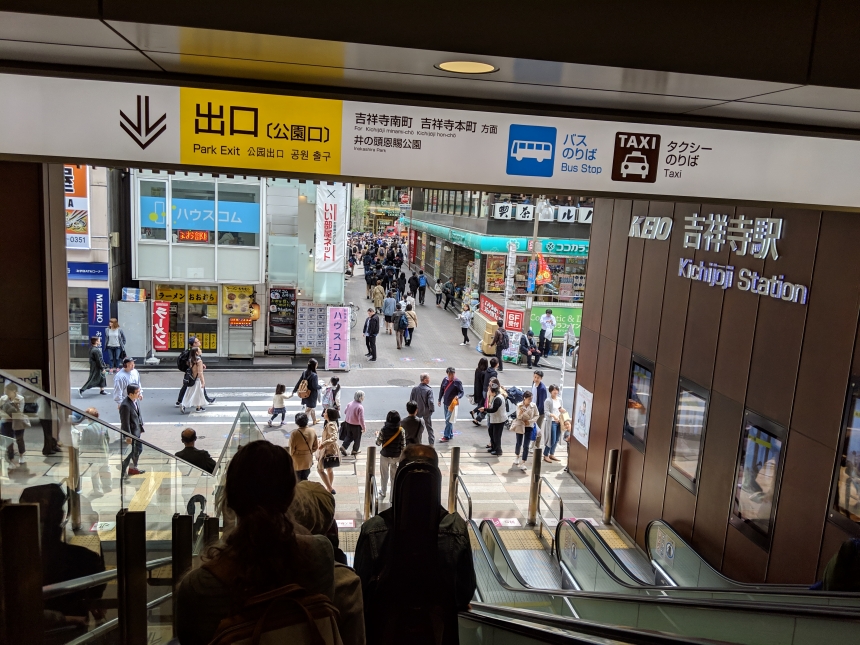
(451, 389)
(422, 394)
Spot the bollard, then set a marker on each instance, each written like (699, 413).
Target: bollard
(369, 476)
(534, 488)
(454, 472)
(609, 485)
(131, 576)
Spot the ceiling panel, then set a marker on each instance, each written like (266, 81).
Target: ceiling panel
(783, 114)
(59, 30)
(75, 55)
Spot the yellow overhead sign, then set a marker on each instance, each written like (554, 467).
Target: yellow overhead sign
(260, 131)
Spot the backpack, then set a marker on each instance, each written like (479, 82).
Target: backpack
(328, 397)
(303, 390)
(290, 614)
(504, 341)
(182, 360)
(403, 323)
(515, 394)
(422, 281)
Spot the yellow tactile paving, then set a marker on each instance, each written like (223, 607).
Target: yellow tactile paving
(92, 542)
(143, 495)
(521, 540)
(612, 539)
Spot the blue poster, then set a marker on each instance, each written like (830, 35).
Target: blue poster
(530, 287)
(98, 312)
(199, 215)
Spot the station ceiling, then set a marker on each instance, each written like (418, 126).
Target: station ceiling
(775, 62)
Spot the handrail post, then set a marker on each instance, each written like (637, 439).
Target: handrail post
(131, 576)
(534, 488)
(453, 474)
(181, 551)
(369, 473)
(75, 487)
(20, 575)
(609, 485)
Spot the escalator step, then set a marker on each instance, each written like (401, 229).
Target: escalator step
(521, 540)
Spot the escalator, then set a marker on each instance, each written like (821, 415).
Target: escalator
(723, 616)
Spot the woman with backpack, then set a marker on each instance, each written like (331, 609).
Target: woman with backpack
(331, 395)
(263, 553)
(308, 387)
(401, 325)
(392, 442)
(497, 412)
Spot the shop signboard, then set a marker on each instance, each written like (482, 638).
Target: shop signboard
(337, 339)
(530, 286)
(423, 248)
(98, 304)
(332, 221)
(413, 243)
(237, 299)
(160, 326)
(76, 185)
(87, 270)
(241, 323)
(565, 316)
(437, 263)
(136, 124)
(494, 311)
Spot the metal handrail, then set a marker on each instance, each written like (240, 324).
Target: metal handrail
(86, 582)
(374, 497)
(112, 624)
(461, 485)
(541, 482)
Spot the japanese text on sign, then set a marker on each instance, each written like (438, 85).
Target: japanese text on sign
(683, 153)
(757, 236)
(337, 339)
(385, 120)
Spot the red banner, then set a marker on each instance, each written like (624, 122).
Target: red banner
(160, 325)
(413, 243)
(494, 311)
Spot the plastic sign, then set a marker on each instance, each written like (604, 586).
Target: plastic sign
(200, 237)
(160, 325)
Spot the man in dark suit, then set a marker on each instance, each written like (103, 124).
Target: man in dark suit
(131, 422)
(195, 456)
(371, 329)
(529, 349)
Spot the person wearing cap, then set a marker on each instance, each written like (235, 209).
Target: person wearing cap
(192, 343)
(194, 456)
(128, 375)
(529, 349)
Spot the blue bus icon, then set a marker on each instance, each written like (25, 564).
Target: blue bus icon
(531, 150)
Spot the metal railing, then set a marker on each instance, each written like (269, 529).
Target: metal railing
(552, 522)
(109, 626)
(371, 500)
(86, 582)
(461, 486)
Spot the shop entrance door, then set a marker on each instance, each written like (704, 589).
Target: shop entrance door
(193, 312)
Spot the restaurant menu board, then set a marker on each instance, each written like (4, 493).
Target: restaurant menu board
(495, 273)
(237, 299)
(282, 316)
(310, 327)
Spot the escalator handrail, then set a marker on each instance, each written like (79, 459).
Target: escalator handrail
(504, 551)
(794, 610)
(86, 582)
(790, 588)
(218, 464)
(541, 482)
(112, 624)
(461, 486)
(119, 431)
(781, 591)
(500, 616)
(599, 538)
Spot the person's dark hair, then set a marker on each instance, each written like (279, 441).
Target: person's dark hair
(421, 272)
(398, 307)
(331, 414)
(527, 394)
(500, 323)
(450, 370)
(494, 362)
(495, 387)
(280, 388)
(411, 407)
(549, 311)
(408, 307)
(539, 373)
(392, 418)
(312, 365)
(552, 388)
(131, 388)
(302, 420)
(483, 364)
(94, 340)
(335, 384)
(261, 485)
(189, 435)
(842, 573)
(419, 452)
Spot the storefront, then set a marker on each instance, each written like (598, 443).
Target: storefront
(567, 272)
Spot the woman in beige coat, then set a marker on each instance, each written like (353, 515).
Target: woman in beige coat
(377, 295)
(328, 448)
(523, 425)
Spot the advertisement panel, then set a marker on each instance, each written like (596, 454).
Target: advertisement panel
(98, 306)
(337, 339)
(493, 310)
(565, 316)
(76, 185)
(582, 415)
(161, 326)
(237, 299)
(332, 221)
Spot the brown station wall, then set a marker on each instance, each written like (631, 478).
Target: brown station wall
(788, 362)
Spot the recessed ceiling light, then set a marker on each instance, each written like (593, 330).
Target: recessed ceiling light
(466, 67)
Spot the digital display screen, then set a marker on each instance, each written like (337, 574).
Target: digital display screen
(687, 439)
(241, 322)
(757, 478)
(201, 237)
(638, 405)
(848, 482)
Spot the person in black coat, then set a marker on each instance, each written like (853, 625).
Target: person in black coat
(310, 401)
(529, 349)
(413, 284)
(131, 421)
(97, 368)
(370, 331)
(478, 391)
(401, 285)
(369, 278)
(489, 375)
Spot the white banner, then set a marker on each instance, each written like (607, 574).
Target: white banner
(582, 415)
(332, 221)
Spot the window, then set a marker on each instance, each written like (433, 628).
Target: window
(458, 204)
(690, 413)
(846, 487)
(757, 478)
(192, 208)
(238, 214)
(638, 403)
(153, 210)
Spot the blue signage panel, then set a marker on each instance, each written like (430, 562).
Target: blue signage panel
(530, 287)
(87, 270)
(199, 215)
(98, 312)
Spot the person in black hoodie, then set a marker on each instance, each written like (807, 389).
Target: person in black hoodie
(391, 440)
(478, 391)
(401, 285)
(413, 284)
(310, 401)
